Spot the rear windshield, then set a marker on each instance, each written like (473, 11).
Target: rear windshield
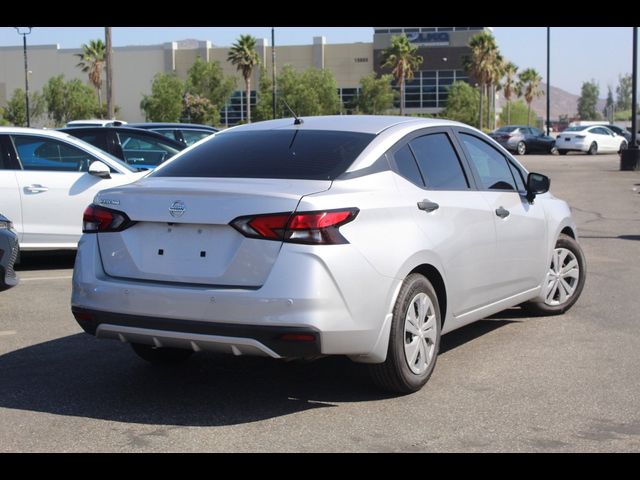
(578, 128)
(299, 154)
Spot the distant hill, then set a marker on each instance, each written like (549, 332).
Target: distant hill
(562, 103)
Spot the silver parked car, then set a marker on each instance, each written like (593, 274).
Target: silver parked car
(8, 253)
(365, 236)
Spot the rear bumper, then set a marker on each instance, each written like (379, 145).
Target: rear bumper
(331, 292)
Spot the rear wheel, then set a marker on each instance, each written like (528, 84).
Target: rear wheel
(554, 150)
(563, 152)
(414, 339)
(564, 281)
(521, 148)
(161, 356)
(623, 146)
(593, 148)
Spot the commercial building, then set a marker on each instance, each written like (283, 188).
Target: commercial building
(443, 49)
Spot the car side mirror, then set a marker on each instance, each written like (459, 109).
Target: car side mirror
(536, 185)
(99, 169)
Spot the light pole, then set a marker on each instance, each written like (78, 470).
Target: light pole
(26, 68)
(548, 80)
(630, 158)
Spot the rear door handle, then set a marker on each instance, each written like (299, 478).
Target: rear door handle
(502, 212)
(36, 188)
(428, 206)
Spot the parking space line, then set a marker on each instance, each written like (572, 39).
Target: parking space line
(27, 279)
(6, 333)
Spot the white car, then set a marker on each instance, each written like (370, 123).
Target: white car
(47, 179)
(365, 236)
(591, 139)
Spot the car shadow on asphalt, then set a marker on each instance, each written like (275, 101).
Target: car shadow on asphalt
(81, 376)
(46, 260)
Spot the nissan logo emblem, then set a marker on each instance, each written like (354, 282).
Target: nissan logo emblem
(177, 209)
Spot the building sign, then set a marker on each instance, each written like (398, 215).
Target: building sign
(429, 38)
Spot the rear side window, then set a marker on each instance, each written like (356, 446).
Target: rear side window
(407, 167)
(439, 163)
(294, 154)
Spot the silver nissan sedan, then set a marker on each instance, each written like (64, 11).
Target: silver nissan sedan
(364, 236)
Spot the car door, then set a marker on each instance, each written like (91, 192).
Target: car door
(520, 226)
(10, 205)
(450, 213)
(55, 188)
(604, 140)
(537, 141)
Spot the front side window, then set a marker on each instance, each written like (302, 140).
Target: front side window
(439, 163)
(48, 154)
(286, 153)
(491, 166)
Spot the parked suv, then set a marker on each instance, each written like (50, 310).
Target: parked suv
(365, 236)
(139, 148)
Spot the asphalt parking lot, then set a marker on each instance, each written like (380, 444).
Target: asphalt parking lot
(507, 384)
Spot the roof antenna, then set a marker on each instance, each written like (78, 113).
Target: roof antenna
(298, 120)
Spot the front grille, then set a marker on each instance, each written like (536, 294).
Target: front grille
(14, 254)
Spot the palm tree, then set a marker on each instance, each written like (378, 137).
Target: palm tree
(529, 81)
(510, 86)
(92, 61)
(481, 63)
(496, 72)
(244, 56)
(403, 59)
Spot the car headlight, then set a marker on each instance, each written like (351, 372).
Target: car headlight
(5, 225)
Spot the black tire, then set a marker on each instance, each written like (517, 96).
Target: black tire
(593, 148)
(563, 152)
(521, 148)
(161, 356)
(539, 307)
(394, 374)
(623, 146)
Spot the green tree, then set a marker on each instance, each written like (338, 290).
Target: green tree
(623, 92)
(165, 102)
(463, 104)
(15, 113)
(67, 101)
(518, 114)
(587, 101)
(264, 100)
(91, 62)
(312, 92)
(403, 59)
(206, 79)
(244, 56)
(610, 103)
(529, 84)
(376, 95)
(510, 87)
(482, 64)
(196, 109)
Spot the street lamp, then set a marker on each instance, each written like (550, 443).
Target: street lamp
(26, 31)
(630, 158)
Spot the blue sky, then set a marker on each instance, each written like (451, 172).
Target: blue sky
(577, 53)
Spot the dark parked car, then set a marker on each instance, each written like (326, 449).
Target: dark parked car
(8, 254)
(185, 133)
(139, 148)
(522, 139)
(620, 131)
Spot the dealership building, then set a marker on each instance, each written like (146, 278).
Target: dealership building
(443, 50)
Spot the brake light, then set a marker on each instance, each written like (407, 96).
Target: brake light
(317, 228)
(100, 219)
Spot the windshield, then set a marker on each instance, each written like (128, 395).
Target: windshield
(289, 153)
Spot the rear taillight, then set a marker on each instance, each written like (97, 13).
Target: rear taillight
(101, 219)
(317, 228)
